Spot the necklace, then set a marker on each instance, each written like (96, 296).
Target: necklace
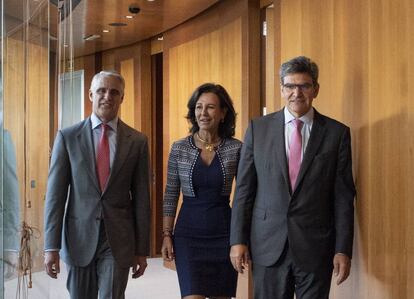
(207, 145)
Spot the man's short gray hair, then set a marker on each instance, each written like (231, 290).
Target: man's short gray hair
(103, 74)
(302, 65)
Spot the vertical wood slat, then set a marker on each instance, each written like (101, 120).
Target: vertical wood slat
(127, 109)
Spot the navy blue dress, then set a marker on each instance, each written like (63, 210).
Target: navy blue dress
(201, 236)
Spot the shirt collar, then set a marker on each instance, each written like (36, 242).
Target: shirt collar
(96, 122)
(307, 118)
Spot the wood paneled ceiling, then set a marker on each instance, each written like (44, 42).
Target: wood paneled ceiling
(93, 16)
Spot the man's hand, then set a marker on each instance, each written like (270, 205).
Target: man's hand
(139, 266)
(342, 267)
(52, 263)
(239, 256)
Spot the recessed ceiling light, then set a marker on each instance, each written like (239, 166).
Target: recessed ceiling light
(150, 0)
(92, 37)
(106, 31)
(129, 17)
(117, 24)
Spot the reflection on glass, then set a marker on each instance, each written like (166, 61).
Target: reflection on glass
(24, 139)
(9, 214)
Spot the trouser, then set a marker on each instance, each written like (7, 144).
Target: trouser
(102, 276)
(284, 279)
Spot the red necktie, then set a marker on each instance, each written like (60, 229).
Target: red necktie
(295, 152)
(102, 158)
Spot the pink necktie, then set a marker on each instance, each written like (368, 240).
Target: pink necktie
(102, 158)
(295, 152)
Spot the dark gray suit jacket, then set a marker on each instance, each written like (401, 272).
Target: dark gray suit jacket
(74, 203)
(318, 217)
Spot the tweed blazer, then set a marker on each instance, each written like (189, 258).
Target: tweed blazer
(183, 156)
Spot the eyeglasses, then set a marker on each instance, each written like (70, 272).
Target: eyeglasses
(302, 87)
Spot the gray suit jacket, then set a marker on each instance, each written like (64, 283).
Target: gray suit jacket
(317, 218)
(74, 203)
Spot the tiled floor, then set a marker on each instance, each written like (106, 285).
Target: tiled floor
(157, 283)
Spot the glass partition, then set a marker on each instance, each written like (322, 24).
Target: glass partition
(24, 145)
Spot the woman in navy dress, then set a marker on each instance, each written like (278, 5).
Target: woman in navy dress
(202, 166)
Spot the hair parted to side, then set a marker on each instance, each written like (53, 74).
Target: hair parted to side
(103, 74)
(300, 64)
(227, 127)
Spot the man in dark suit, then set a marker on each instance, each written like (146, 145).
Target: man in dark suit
(97, 201)
(293, 210)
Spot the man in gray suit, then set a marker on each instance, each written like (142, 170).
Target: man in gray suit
(293, 210)
(97, 201)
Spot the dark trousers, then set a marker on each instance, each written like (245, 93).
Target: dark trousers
(284, 279)
(102, 275)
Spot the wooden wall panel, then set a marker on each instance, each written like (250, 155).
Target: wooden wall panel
(213, 60)
(108, 60)
(250, 47)
(363, 51)
(127, 110)
(270, 67)
(37, 142)
(215, 57)
(26, 116)
(143, 94)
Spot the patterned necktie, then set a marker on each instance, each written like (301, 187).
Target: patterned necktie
(295, 152)
(102, 158)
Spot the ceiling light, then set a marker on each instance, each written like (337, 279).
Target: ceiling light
(106, 31)
(129, 17)
(160, 38)
(117, 24)
(134, 9)
(92, 37)
(150, 0)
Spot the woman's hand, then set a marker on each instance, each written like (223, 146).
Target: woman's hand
(167, 250)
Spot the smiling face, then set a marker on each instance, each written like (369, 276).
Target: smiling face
(106, 95)
(298, 91)
(208, 112)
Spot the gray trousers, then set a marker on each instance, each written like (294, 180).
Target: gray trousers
(102, 276)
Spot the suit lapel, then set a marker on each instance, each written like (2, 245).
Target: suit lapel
(315, 139)
(280, 144)
(88, 151)
(123, 146)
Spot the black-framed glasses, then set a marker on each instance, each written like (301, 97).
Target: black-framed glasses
(302, 87)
